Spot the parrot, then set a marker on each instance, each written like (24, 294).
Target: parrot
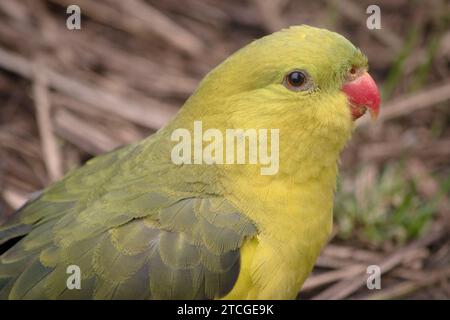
(134, 224)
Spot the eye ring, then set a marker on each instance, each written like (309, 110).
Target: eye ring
(297, 80)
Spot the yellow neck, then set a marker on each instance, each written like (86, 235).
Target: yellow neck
(293, 214)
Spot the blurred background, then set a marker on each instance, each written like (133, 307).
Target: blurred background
(68, 95)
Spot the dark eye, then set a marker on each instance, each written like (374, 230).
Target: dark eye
(297, 80)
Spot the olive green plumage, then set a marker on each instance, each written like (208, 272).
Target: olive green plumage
(132, 239)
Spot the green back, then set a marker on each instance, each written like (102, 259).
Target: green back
(136, 227)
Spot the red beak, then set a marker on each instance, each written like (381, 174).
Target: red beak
(363, 94)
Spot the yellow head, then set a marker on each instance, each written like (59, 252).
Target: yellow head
(307, 82)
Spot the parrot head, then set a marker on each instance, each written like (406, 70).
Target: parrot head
(302, 72)
(310, 83)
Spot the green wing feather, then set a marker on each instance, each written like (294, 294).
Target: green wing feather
(137, 231)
